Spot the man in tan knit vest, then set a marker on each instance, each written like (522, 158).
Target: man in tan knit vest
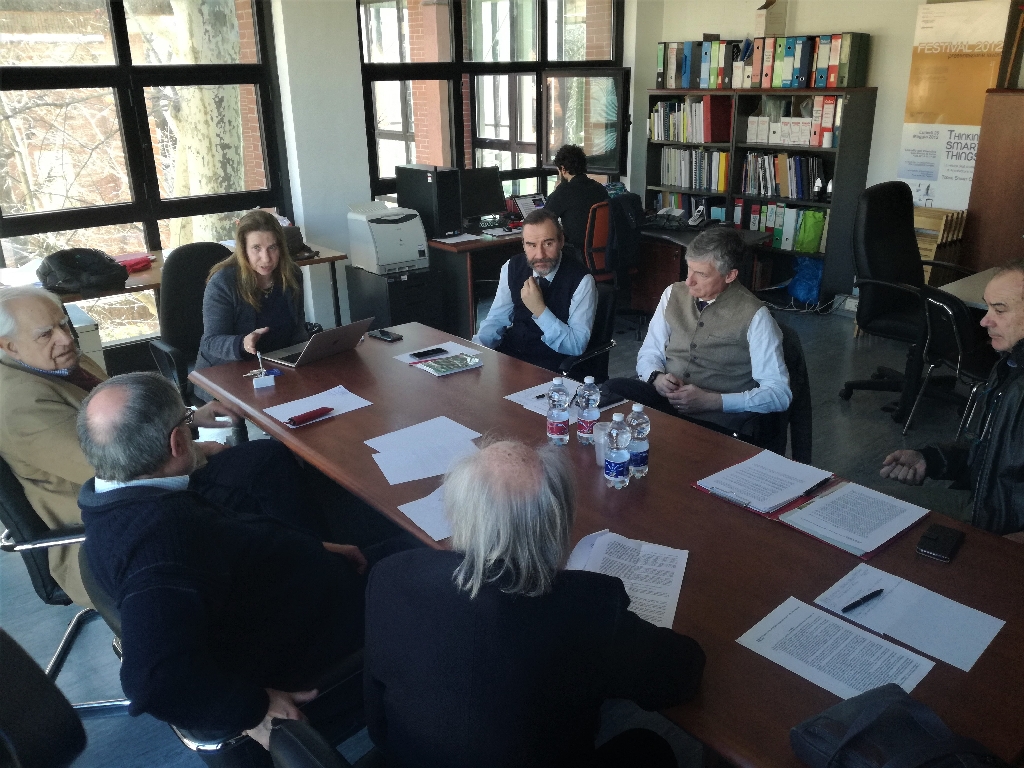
(713, 352)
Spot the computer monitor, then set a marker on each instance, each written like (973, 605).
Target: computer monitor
(526, 204)
(482, 194)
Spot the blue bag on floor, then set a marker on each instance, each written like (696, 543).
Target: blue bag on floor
(806, 283)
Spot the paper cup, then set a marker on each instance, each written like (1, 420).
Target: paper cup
(600, 441)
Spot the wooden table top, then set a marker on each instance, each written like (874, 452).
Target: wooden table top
(479, 244)
(740, 568)
(971, 289)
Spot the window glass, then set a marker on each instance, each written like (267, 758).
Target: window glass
(526, 99)
(123, 317)
(526, 161)
(61, 149)
(206, 139)
(579, 30)
(210, 228)
(385, 26)
(207, 32)
(500, 30)
(519, 187)
(55, 33)
(584, 111)
(413, 123)
(492, 106)
(489, 157)
(115, 240)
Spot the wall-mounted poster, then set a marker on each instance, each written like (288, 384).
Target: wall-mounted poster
(957, 47)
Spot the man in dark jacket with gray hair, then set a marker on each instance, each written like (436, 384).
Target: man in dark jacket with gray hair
(991, 456)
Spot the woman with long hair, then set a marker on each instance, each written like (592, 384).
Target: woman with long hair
(253, 299)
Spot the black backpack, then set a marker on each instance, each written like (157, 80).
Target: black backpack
(81, 270)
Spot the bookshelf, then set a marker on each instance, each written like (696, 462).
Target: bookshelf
(846, 164)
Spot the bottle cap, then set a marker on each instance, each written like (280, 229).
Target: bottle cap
(588, 380)
(638, 408)
(617, 417)
(556, 380)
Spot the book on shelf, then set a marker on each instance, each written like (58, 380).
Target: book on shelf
(705, 64)
(821, 64)
(737, 213)
(659, 78)
(695, 168)
(853, 60)
(779, 67)
(832, 79)
(756, 62)
(802, 63)
(686, 65)
(787, 62)
(713, 64)
(670, 65)
(768, 62)
(819, 102)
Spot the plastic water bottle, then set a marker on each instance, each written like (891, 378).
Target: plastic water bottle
(558, 412)
(616, 456)
(640, 427)
(589, 396)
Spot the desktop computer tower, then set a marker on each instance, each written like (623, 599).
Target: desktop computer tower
(435, 194)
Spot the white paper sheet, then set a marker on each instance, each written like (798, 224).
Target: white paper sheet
(338, 398)
(416, 460)
(457, 238)
(764, 482)
(651, 573)
(581, 552)
(428, 514)
(931, 623)
(832, 653)
(855, 518)
(451, 347)
(528, 398)
(434, 431)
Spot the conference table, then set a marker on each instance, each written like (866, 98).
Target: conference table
(740, 566)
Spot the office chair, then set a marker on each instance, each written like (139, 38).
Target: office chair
(337, 710)
(596, 254)
(182, 285)
(27, 534)
(953, 340)
(594, 360)
(889, 274)
(38, 727)
(798, 415)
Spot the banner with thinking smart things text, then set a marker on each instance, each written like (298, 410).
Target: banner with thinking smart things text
(957, 47)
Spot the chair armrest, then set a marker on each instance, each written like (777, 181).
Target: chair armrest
(171, 363)
(570, 362)
(857, 283)
(296, 744)
(61, 537)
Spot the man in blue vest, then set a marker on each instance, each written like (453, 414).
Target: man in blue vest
(544, 308)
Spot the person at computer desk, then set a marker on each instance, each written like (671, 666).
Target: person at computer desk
(575, 194)
(254, 298)
(544, 308)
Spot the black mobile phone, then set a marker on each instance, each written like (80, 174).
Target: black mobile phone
(385, 335)
(429, 353)
(940, 542)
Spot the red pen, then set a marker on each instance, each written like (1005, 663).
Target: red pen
(308, 416)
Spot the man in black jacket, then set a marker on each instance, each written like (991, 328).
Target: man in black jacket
(492, 654)
(575, 194)
(227, 619)
(991, 459)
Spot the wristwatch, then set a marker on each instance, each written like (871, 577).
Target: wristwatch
(653, 376)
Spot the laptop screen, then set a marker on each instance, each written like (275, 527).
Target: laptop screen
(528, 203)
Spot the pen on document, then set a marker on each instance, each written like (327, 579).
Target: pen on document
(540, 396)
(860, 601)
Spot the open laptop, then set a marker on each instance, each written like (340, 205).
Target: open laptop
(527, 203)
(320, 345)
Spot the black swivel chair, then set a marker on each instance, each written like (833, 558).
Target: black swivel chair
(594, 360)
(953, 340)
(38, 727)
(182, 285)
(798, 416)
(889, 274)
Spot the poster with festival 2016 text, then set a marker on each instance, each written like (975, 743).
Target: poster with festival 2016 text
(957, 47)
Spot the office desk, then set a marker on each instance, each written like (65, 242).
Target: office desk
(459, 266)
(971, 289)
(740, 567)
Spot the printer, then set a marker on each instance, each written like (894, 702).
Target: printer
(383, 240)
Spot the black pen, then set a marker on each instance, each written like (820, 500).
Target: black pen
(542, 394)
(859, 602)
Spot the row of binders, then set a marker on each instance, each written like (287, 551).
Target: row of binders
(803, 230)
(819, 129)
(818, 61)
(696, 119)
(695, 168)
(800, 177)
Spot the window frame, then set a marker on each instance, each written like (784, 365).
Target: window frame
(453, 71)
(128, 82)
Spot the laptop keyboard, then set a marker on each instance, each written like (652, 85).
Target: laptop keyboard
(290, 358)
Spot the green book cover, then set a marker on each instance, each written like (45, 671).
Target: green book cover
(713, 73)
(780, 220)
(780, 58)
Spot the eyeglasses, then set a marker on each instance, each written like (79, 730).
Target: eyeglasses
(186, 419)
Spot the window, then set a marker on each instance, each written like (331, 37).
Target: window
(130, 125)
(472, 83)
